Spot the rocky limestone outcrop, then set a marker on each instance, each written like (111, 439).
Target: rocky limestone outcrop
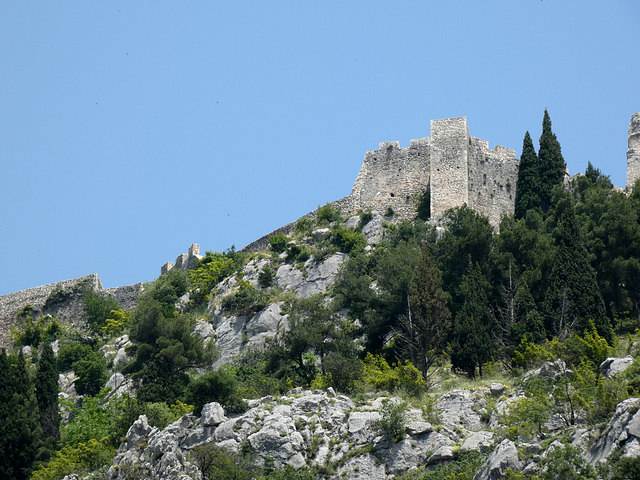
(233, 333)
(304, 428)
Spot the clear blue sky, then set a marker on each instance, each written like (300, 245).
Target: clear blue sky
(129, 130)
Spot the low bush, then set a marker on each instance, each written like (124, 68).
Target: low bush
(392, 423)
(327, 214)
(84, 457)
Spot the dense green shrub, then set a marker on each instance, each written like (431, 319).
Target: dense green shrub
(91, 371)
(348, 240)
(69, 353)
(211, 270)
(33, 331)
(278, 242)
(304, 226)
(215, 386)
(344, 371)
(327, 214)
(81, 458)
(266, 277)
(403, 377)
(248, 300)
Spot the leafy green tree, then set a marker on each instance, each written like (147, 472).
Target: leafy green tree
(46, 388)
(91, 371)
(165, 347)
(471, 340)
(214, 268)
(528, 186)
(468, 237)
(97, 308)
(314, 332)
(552, 164)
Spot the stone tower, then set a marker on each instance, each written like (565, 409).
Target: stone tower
(633, 154)
(449, 165)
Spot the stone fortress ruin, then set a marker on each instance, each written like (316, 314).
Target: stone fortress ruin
(453, 166)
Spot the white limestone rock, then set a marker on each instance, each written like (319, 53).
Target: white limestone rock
(613, 365)
(503, 457)
(212, 415)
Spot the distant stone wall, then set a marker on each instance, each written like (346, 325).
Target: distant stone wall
(62, 299)
(633, 154)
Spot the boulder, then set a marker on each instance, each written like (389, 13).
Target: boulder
(503, 457)
(138, 432)
(614, 365)
(480, 441)
(212, 415)
(623, 427)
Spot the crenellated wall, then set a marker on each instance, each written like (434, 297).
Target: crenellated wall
(391, 176)
(493, 175)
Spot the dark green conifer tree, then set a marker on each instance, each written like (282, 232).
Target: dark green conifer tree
(19, 426)
(528, 186)
(471, 340)
(573, 297)
(552, 164)
(47, 396)
(428, 320)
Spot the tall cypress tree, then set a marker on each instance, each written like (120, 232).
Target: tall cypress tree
(19, 427)
(552, 164)
(573, 297)
(47, 396)
(528, 186)
(471, 342)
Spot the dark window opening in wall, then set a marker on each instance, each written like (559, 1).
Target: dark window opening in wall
(392, 195)
(484, 179)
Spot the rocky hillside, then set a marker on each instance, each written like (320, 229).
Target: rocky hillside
(343, 438)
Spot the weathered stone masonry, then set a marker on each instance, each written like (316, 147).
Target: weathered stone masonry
(70, 310)
(633, 154)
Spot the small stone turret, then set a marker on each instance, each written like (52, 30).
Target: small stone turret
(633, 154)
(185, 261)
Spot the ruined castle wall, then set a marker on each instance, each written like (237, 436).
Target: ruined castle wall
(37, 298)
(633, 154)
(449, 164)
(62, 299)
(127, 296)
(493, 175)
(393, 177)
